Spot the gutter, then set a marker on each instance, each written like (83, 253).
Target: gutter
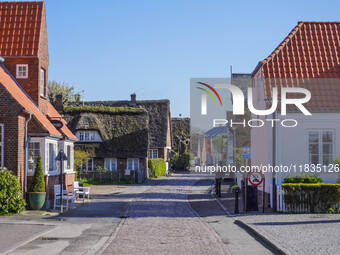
(26, 146)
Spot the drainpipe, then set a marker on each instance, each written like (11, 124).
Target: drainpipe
(26, 146)
(274, 163)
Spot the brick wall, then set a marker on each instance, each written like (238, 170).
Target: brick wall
(35, 63)
(9, 116)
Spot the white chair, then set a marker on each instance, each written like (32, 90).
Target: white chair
(67, 196)
(84, 191)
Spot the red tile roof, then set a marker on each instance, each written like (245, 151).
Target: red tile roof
(20, 24)
(18, 94)
(53, 114)
(311, 50)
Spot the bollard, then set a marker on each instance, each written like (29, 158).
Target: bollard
(236, 202)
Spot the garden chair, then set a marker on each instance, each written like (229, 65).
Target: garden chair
(84, 191)
(68, 196)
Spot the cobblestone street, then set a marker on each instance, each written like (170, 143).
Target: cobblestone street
(161, 221)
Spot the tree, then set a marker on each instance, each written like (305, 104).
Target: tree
(57, 88)
(80, 158)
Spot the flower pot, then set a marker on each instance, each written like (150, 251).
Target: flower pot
(36, 200)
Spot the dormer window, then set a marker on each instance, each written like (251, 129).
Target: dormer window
(88, 136)
(42, 82)
(22, 72)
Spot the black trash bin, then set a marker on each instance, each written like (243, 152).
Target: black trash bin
(252, 200)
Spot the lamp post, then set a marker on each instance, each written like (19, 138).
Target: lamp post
(61, 157)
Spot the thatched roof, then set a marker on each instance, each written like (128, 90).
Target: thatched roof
(124, 130)
(159, 117)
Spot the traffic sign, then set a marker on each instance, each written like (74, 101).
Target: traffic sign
(255, 178)
(246, 152)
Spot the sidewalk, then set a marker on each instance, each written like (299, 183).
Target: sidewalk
(77, 231)
(288, 233)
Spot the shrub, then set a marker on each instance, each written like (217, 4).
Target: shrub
(38, 181)
(10, 194)
(303, 178)
(316, 197)
(181, 164)
(157, 167)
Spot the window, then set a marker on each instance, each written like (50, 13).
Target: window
(320, 147)
(81, 136)
(153, 153)
(1, 145)
(51, 157)
(22, 71)
(132, 164)
(110, 164)
(68, 152)
(42, 82)
(33, 153)
(88, 166)
(87, 136)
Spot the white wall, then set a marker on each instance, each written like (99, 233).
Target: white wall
(292, 143)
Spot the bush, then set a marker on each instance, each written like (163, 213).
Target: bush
(302, 178)
(183, 163)
(316, 197)
(38, 181)
(157, 167)
(10, 194)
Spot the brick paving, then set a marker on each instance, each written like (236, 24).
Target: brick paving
(161, 221)
(298, 233)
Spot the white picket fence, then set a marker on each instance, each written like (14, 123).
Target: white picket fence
(281, 206)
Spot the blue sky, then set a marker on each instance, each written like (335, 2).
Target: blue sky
(114, 48)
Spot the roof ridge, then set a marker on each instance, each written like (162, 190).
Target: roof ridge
(283, 43)
(321, 22)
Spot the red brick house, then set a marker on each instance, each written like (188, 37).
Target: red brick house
(25, 112)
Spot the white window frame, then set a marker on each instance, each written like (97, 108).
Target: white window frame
(134, 160)
(87, 165)
(152, 152)
(34, 156)
(320, 144)
(108, 162)
(42, 80)
(88, 136)
(2, 144)
(55, 168)
(17, 71)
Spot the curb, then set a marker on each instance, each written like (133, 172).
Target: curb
(224, 246)
(257, 234)
(246, 226)
(29, 239)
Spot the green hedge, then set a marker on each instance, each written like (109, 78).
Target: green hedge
(316, 198)
(10, 194)
(157, 167)
(302, 178)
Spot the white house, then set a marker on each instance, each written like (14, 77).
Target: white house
(309, 57)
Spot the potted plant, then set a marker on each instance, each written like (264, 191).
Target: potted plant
(37, 191)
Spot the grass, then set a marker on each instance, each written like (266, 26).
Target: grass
(103, 109)
(90, 182)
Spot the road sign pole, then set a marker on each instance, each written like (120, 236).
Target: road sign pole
(245, 188)
(62, 182)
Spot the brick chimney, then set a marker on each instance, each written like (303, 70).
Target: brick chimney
(59, 103)
(133, 97)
